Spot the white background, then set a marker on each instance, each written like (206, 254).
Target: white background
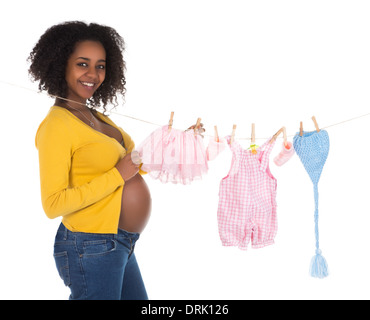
(274, 63)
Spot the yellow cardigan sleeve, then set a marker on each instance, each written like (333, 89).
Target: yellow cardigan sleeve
(129, 143)
(55, 146)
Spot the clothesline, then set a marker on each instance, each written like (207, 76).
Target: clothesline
(290, 136)
(159, 125)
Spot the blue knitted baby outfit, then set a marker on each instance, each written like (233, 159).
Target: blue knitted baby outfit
(313, 149)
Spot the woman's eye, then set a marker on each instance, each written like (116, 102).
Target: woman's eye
(85, 65)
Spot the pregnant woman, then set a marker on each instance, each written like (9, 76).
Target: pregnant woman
(87, 175)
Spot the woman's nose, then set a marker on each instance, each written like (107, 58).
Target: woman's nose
(92, 73)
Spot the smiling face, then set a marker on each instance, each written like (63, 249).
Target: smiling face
(85, 70)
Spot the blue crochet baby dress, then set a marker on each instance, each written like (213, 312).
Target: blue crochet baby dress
(313, 149)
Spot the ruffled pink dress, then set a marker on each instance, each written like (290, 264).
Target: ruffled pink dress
(174, 155)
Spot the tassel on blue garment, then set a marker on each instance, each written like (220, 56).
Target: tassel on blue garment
(319, 267)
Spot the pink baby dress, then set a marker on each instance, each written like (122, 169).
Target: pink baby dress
(172, 155)
(247, 199)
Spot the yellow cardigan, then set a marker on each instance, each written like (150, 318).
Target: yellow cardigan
(78, 177)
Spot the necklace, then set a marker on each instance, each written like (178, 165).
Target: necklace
(90, 121)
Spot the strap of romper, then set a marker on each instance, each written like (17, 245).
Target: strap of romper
(266, 149)
(236, 149)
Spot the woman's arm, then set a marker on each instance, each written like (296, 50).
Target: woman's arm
(55, 145)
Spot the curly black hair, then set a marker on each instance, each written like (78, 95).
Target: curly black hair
(50, 55)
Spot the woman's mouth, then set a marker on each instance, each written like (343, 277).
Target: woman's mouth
(88, 84)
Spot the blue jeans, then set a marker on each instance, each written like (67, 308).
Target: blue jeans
(99, 266)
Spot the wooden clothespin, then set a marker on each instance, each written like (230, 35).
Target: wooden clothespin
(197, 125)
(253, 146)
(253, 138)
(316, 125)
(170, 123)
(217, 139)
(274, 137)
(301, 129)
(233, 134)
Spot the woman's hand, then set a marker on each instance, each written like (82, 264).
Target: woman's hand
(127, 168)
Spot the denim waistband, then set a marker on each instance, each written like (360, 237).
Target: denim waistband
(121, 234)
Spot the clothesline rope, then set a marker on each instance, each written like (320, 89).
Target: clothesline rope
(159, 125)
(289, 136)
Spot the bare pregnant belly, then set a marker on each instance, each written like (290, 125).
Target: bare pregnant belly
(136, 205)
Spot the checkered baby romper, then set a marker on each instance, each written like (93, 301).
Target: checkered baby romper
(247, 199)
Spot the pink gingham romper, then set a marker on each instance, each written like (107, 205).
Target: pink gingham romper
(247, 199)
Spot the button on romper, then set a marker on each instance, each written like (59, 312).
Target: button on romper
(247, 199)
